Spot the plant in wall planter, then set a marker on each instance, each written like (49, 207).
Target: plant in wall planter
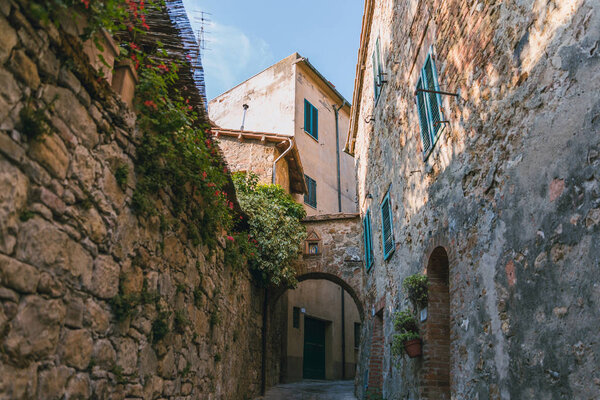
(416, 287)
(408, 339)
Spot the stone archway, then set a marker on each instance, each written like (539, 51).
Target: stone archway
(435, 378)
(352, 291)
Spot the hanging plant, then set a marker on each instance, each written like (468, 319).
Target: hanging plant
(409, 339)
(416, 287)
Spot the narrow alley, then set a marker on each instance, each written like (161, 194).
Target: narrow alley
(309, 390)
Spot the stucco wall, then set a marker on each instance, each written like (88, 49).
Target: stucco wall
(511, 191)
(321, 299)
(269, 95)
(69, 243)
(319, 157)
(276, 104)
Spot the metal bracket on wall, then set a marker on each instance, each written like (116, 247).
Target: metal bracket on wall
(369, 119)
(437, 92)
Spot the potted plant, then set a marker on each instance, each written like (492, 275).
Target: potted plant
(408, 340)
(416, 287)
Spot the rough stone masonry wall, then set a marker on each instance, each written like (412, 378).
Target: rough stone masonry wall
(69, 243)
(511, 190)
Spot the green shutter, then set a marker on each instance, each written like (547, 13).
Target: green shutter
(307, 109)
(423, 120)
(387, 229)
(315, 123)
(310, 197)
(433, 99)
(367, 240)
(375, 77)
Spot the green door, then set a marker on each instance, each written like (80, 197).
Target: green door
(314, 349)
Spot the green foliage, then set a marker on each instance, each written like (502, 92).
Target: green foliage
(198, 297)
(217, 357)
(118, 373)
(215, 318)
(399, 339)
(160, 327)
(34, 123)
(180, 321)
(121, 176)
(404, 321)
(416, 287)
(175, 158)
(26, 215)
(407, 325)
(275, 229)
(186, 370)
(147, 297)
(124, 305)
(180, 288)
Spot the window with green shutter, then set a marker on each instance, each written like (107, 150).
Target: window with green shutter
(368, 240)
(377, 70)
(310, 197)
(387, 227)
(311, 120)
(429, 105)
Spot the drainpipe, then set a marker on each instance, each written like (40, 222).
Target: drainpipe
(244, 116)
(337, 153)
(343, 337)
(279, 158)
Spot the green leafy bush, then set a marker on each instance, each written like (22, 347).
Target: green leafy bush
(404, 321)
(160, 327)
(121, 175)
(407, 325)
(416, 287)
(398, 341)
(276, 231)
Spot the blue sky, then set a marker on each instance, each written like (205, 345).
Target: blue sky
(248, 36)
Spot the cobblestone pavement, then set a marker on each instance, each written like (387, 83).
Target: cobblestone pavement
(312, 390)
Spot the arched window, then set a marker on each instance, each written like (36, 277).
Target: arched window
(435, 382)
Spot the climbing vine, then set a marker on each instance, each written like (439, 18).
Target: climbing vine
(275, 229)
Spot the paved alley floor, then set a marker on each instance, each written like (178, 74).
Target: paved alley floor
(312, 390)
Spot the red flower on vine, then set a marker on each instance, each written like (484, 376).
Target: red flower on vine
(230, 238)
(150, 104)
(86, 3)
(204, 174)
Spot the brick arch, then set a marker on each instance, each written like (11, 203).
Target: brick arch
(435, 375)
(353, 292)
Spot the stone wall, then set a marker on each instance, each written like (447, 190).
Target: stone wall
(70, 246)
(511, 192)
(255, 156)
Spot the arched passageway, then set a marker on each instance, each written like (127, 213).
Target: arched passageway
(435, 380)
(316, 328)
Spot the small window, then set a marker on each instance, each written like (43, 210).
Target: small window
(310, 197)
(296, 318)
(368, 241)
(431, 120)
(377, 71)
(387, 228)
(356, 335)
(311, 120)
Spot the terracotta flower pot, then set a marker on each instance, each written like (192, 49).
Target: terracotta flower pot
(413, 348)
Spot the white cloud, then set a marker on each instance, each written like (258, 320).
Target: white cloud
(232, 57)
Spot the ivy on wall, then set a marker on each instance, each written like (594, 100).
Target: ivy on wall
(275, 229)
